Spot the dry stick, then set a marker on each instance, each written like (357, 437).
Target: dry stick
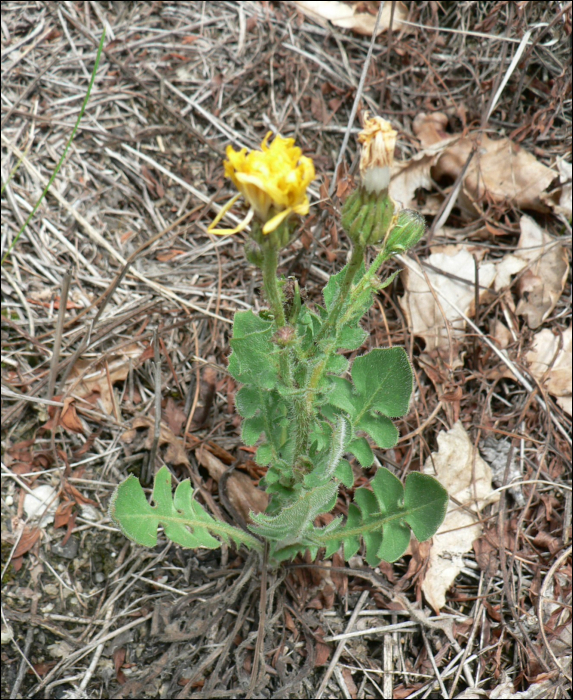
(132, 76)
(387, 656)
(25, 665)
(546, 581)
(357, 98)
(506, 361)
(388, 49)
(197, 384)
(434, 665)
(468, 646)
(101, 241)
(527, 643)
(527, 56)
(29, 89)
(450, 201)
(58, 335)
(108, 293)
(258, 654)
(342, 643)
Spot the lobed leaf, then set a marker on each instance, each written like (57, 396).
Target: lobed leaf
(384, 516)
(184, 520)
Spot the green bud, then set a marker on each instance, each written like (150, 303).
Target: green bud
(367, 216)
(253, 253)
(408, 230)
(350, 209)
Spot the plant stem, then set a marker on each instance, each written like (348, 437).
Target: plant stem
(320, 367)
(270, 283)
(356, 260)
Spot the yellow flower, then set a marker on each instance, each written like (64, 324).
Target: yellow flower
(378, 140)
(273, 181)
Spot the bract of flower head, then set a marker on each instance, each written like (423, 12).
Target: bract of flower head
(273, 180)
(378, 140)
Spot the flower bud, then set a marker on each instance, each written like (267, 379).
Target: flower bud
(407, 231)
(367, 216)
(378, 140)
(254, 254)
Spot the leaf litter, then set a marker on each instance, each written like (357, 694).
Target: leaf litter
(177, 85)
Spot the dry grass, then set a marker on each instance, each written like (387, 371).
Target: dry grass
(178, 81)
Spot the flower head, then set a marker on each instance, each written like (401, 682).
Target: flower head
(378, 140)
(273, 180)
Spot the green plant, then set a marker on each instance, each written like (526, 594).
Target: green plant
(294, 400)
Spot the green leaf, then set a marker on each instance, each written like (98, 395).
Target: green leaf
(362, 451)
(252, 360)
(264, 454)
(386, 514)
(344, 473)
(248, 401)
(383, 379)
(252, 429)
(296, 520)
(342, 396)
(332, 288)
(337, 364)
(381, 430)
(351, 337)
(427, 501)
(184, 520)
(382, 382)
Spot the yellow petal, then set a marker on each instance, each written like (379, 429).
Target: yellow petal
(230, 231)
(276, 221)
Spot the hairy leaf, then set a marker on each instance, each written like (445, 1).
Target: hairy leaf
(290, 525)
(380, 389)
(252, 360)
(184, 520)
(384, 516)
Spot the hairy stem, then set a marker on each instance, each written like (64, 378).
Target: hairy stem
(326, 351)
(270, 282)
(356, 260)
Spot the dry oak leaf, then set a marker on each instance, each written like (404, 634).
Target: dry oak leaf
(175, 452)
(541, 286)
(424, 316)
(67, 417)
(552, 365)
(500, 169)
(560, 199)
(88, 383)
(467, 477)
(241, 491)
(349, 16)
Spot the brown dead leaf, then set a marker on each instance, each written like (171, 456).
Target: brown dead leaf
(349, 681)
(542, 284)
(500, 169)
(560, 199)
(67, 416)
(552, 365)
(242, 493)
(467, 478)
(424, 316)
(174, 415)
(350, 16)
(96, 383)
(29, 538)
(175, 452)
(412, 175)
(168, 255)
